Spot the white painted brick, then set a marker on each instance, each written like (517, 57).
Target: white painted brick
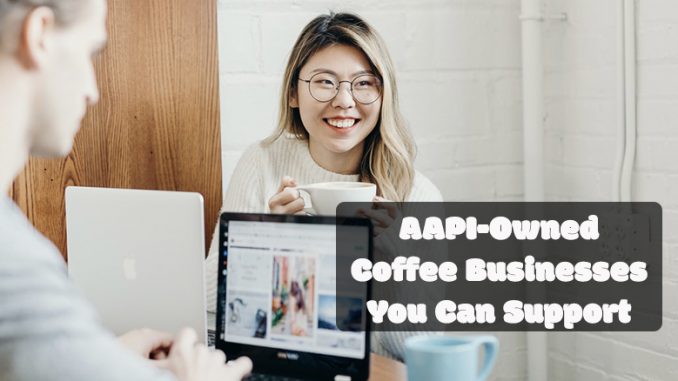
(562, 370)
(466, 184)
(444, 105)
(574, 371)
(650, 187)
(238, 42)
(657, 117)
(618, 358)
(391, 27)
(663, 341)
(654, 11)
(658, 81)
(436, 154)
(670, 302)
(672, 196)
(248, 112)
(562, 344)
(553, 147)
(510, 181)
(464, 151)
(656, 154)
(505, 102)
(584, 15)
(508, 148)
(670, 229)
(594, 152)
(584, 82)
(452, 39)
(580, 184)
(510, 365)
(557, 198)
(487, 150)
(670, 253)
(509, 198)
(585, 116)
(279, 31)
(570, 47)
(656, 43)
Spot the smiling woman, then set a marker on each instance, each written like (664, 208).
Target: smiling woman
(344, 49)
(339, 121)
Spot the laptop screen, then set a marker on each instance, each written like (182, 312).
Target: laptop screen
(278, 288)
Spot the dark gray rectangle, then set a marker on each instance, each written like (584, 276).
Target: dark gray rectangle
(601, 263)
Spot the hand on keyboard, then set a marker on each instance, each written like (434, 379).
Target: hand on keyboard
(191, 361)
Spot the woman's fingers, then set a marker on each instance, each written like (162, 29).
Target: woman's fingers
(390, 206)
(286, 202)
(379, 217)
(285, 182)
(284, 197)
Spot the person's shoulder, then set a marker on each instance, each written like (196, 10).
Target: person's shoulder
(272, 148)
(285, 143)
(255, 154)
(423, 189)
(21, 242)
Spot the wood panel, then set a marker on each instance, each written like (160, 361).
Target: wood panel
(157, 123)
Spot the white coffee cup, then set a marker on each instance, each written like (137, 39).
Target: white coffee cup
(325, 197)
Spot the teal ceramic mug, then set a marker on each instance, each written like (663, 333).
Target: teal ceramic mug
(449, 358)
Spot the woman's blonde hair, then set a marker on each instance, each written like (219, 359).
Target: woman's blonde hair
(389, 149)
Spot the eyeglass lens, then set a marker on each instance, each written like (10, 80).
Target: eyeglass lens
(325, 86)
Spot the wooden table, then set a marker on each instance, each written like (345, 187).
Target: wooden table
(384, 369)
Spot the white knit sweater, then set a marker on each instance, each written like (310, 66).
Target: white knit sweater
(257, 177)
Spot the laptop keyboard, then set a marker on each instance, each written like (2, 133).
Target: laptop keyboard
(268, 377)
(211, 334)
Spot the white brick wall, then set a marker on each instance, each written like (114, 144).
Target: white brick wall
(581, 127)
(458, 70)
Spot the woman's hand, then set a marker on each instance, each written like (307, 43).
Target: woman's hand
(287, 199)
(383, 214)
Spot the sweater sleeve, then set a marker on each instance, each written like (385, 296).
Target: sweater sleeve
(423, 189)
(47, 330)
(244, 194)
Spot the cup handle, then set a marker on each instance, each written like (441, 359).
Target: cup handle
(307, 209)
(491, 345)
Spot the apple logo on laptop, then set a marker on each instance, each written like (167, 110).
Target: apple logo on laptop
(129, 268)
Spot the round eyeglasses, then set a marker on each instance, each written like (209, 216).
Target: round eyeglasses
(365, 89)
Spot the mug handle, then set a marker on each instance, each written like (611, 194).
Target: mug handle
(491, 345)
(307, 209)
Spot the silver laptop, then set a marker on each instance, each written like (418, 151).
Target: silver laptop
(137, 255)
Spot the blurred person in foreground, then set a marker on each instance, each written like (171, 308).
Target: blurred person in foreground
(47, 331)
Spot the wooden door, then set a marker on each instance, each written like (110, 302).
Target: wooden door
(157, 123)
